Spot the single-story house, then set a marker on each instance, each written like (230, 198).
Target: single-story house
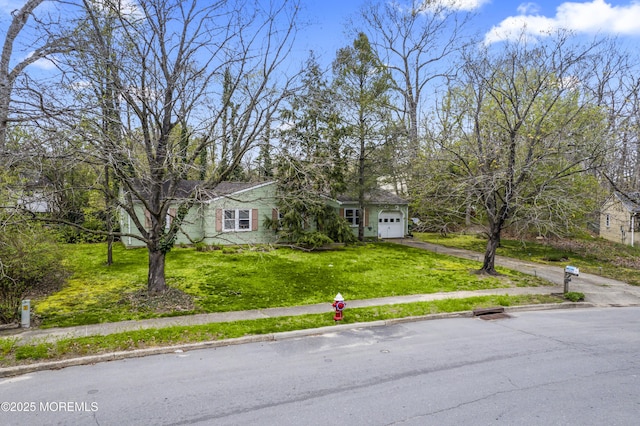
(620, 217)
(234, 213)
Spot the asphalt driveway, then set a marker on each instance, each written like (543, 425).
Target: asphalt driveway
(598, 290)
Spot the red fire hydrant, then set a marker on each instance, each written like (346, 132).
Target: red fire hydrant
(338, 304)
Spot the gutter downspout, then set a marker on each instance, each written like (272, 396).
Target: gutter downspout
(633, 226)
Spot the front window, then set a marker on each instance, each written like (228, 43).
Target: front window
(244, 219)
(237, 220)
(352, 216)
(607, 220)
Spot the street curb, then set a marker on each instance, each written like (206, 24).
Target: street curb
(271, 337)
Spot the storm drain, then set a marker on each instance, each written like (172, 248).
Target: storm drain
(491, 313)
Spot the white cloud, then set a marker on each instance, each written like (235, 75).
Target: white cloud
(462, 5)
(596, 16)
(528, 8)
(465, 4)
(47, 63)
(125, 7)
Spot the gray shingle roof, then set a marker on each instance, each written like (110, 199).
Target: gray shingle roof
(227, 188)
(630, 201)
(187, 188)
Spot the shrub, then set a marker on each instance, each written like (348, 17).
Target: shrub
(574, 296)
(30, 265)
(200, 246)
(314, 240)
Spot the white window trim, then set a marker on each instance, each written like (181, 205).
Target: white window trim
(607, 220)
(353, 220)
(236, 220)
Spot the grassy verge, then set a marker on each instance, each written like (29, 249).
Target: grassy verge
(252, 278)
(593, 256)
(11, 353)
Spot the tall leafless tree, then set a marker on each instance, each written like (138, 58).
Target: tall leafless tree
(47, 42)
(167, 69)
(418, 41)
(521, 130)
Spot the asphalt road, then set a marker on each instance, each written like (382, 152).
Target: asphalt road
(573, 367)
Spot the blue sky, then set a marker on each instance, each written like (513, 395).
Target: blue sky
(495, 19)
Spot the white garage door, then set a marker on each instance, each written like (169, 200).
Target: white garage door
(390, 225)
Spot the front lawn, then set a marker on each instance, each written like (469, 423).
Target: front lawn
(252, 278)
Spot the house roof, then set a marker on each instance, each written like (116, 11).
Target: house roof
(376, 196)
(186, 188)
(630, 201)
(228, 188)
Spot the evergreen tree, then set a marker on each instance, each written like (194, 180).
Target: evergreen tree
(362, 85)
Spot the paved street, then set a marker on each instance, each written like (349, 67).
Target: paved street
(568, 367)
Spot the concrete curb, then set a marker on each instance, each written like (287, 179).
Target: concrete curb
(271, 337)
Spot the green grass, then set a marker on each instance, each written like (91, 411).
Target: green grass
(591, 255)
(246, 278)
(13, 354)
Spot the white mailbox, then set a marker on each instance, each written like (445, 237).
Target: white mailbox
(572, 270)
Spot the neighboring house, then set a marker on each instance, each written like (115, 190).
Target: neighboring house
(234, 212)
(620, 217)
(36, 195)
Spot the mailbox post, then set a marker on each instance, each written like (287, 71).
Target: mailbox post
(569, 271)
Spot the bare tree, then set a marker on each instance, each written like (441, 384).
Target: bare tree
(417, 40)
(617, 90)
(520, 132)
(47, 43)
(168, 62)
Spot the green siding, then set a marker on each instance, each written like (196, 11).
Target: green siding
(201, 224)
(262, 199)
(373, 211)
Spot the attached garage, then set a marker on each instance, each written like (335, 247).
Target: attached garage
(384, 215)
(390, 224)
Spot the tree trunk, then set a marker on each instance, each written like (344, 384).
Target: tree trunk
(361, 195)
(110, 249)
(156, 282)
(5, 92)
(109, 213)
(489, 263)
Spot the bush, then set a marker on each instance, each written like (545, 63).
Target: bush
(30, 265)
(314, 240)
(574, 296)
